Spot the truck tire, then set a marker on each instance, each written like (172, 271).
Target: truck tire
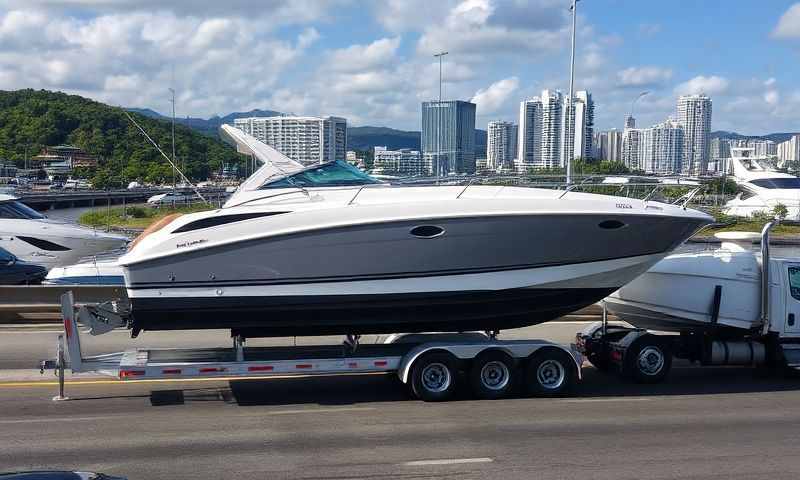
(550, 372)
(434, 376)
(648, 360)
(492, 375)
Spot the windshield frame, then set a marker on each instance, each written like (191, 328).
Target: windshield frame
(19, 211)
(306, 178)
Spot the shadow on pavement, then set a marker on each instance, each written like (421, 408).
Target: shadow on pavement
(355, 389)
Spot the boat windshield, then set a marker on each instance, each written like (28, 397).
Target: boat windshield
(779, 183)
(18, 210)
(334, 174)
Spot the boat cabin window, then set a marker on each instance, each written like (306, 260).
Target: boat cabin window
(780, 183)
(745, 194)
(6, 258)
(18, 210)
(794, 282)
(334, 174)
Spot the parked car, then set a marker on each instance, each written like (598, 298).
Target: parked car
(14, 271)
(171, 198)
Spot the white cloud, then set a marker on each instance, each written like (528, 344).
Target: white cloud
(490, 99)
(772, 97)
(789, 23)
(649, 29)
(769, 82)
(643, 76)
(356, 58)
(712, 85)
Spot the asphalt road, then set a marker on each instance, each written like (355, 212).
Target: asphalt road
(705, 423)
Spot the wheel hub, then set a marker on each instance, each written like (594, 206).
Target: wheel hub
(494, 375)
(650, 360)
(436, 377)
(550, 374)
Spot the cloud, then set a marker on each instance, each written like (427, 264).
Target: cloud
(769, 82)
(649, 29)
(772, 97)
(713, 85)
(789, 23)
(646, 76)
(490, 99)
(356, 58)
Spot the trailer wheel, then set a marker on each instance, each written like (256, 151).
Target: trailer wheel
(492, 375)
(433, 377)
(550, 372)
(648, 360)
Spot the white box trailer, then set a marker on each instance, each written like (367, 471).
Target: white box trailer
(432, 365)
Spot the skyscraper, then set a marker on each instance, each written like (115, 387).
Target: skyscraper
(529, 135)
(630, 122)
(552, 110)
(694, 115)
(307, 140)
(501, 145)
(661, 148)
(789, 151)
(609, 145)
(448, 136)
(630, 148)
(578, 126)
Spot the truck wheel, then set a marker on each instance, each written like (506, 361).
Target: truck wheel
(433, 377)
(648, 361)
(491, 375)
(550, 372)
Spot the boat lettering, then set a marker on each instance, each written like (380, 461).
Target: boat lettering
(192, 243)
(624, 205)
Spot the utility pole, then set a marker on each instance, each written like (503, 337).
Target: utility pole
(173, 138)
(570, 106)
(439, 118)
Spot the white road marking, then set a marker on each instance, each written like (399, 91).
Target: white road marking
(319, 410)
(57, 419)
(448, 461)
(599, 400)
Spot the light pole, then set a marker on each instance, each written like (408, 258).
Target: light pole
(570, 106)
(439, 117)
(633, 103)
(173, 138)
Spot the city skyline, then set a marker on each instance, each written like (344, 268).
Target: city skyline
(307, 57)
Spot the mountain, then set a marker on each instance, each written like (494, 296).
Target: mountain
(31, 119)
(206, 126)
(775, 137)
(366, 138)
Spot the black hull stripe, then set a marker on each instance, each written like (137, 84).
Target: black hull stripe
(367, 277)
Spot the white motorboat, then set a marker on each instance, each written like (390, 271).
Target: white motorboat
(678, 292)
(32, 237)
(763, 187)
(327, 250)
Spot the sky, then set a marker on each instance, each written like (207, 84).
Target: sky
(372, 61)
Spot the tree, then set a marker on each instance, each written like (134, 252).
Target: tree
(780, 211)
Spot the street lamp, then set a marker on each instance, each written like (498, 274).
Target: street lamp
(633, 103)
(570, 106)
(173, 138)
(439, 116)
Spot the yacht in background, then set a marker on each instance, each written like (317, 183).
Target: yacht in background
(763, 187)
(32, 237)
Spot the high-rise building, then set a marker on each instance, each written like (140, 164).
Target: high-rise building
(609, 145)
(448, 136)
(763, 148)
(403, 161)
(529, 135)
(694, 115)
(307, 140)
(630, 122)
(577, 128)
(789, 151)
(661, 148)
(552, 110)
(501, 145)
(630, 148)
(720, 148)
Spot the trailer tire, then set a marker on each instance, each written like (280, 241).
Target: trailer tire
(492, 375)
(648, 360)
(550, 372)
(434, 377)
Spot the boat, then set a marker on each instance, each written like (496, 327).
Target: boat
(34, 238)
(678, 293)
(95, 270)
(762, 186)
(327, 249)
(14, 271)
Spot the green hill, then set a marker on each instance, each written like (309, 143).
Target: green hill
(32, 119)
